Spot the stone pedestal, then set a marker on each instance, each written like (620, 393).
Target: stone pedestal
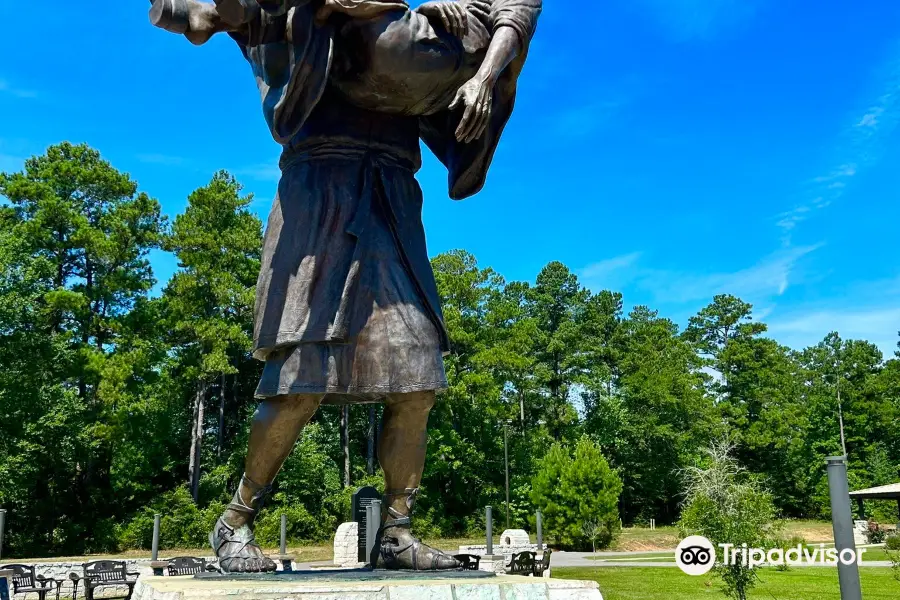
(286, 560)
(346, 545)
(515, 538)
(493, 563)
(359, 584)
(860, 526)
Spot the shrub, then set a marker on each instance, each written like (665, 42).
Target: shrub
(892, 542)
(785, 544)
(301, 526)
(875, 534)
(572, 489)
(183, 523)
(725, 505)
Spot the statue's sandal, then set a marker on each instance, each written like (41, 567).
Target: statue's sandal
(398, 549)
(236, 547)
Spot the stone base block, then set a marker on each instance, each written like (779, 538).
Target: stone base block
(301, 585)
(346, 544)
(493, 563)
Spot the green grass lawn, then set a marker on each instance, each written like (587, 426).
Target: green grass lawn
(814, 583)
(871, 555)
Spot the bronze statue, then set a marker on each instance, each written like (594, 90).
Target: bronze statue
(347, 310)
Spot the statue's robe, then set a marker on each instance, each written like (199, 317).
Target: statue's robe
(347, 303)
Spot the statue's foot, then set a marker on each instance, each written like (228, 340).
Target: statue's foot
(237, 550)
(400, 550)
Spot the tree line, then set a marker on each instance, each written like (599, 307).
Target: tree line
(117, 403)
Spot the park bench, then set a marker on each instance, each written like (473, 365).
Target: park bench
(542, 565)
(25, 581)
(521, 564)
(187, 565)
(103, 573)
(469, 562)
(526, 563)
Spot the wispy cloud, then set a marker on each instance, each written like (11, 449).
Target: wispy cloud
(606, 267)
(686, 20)
(766, 280)
(878, 325)
(18, 92)
(860, 146)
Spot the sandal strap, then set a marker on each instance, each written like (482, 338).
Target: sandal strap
(243, 540)
(259, 491)
(397, 519)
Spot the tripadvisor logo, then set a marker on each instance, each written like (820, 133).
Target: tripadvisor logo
(696, 555)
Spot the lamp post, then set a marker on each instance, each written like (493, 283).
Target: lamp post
(842, 526)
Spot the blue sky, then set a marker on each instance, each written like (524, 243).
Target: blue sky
(668, 149)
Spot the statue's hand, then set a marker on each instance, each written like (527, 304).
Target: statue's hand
(359, 9)
(476, 95)
(452, 14)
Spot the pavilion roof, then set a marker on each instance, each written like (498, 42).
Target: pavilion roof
(884, 492)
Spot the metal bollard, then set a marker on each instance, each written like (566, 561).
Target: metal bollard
(154, 553)
(842, 524)
(286, 559)
(155, 563)
(539, 520)
(489, 525)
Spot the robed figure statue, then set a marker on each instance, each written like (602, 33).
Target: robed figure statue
(347, 310)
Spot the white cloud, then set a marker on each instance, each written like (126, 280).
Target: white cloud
(611, 273)
(767, 279)
(605, 267)
(763, 281)
(878, 325)
(859, 146)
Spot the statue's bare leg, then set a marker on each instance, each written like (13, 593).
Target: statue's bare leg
(275, 429)
(401, 453)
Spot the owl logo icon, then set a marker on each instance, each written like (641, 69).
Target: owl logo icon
(695, 555)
